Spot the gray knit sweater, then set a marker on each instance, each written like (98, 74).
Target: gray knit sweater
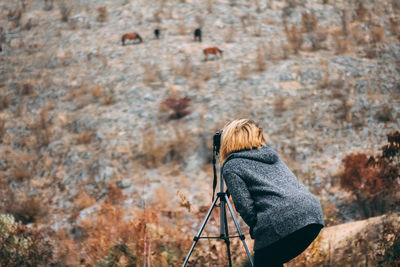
(268, 196)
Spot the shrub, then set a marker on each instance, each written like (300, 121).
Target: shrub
(294, 37)
(309, 21)
(115, 241)
(102, 14)
(48, 5)
(178, 106)
(2, 129)
(261, 63)
(27, 210)
(23, 246)
(65, 11)
(374, 181)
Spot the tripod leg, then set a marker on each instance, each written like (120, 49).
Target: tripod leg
(224, 221)
(196, 238)
(238, 229)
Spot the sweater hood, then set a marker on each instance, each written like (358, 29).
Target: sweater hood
(263, 154)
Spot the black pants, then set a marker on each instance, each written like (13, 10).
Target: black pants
(287, 248)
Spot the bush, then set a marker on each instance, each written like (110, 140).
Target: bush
(178, 106)
(114, 241)
(22, 246)
(374, 181)
(65, 11)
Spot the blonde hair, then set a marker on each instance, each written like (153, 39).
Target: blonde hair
(238, 135)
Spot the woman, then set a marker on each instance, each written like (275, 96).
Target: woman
(283, 216)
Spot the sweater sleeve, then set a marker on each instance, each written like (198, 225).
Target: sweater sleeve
(244, 204)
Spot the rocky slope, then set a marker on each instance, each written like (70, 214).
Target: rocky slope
(82, 115)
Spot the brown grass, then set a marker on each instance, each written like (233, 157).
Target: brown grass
(26, 88)
(244, 72)
(261, 63)
(2, 129)
(83, 200)
(4, 102)
(102, 14)
(150, 74)
(309, 21)
(395, 27)
(26, 210)
(377, 34)
(294, 37)
(182, 27)
(109, 97)
(96, 91)
(341, 44)
(230, 35)
(48, 5)
(385, 113)
(85, 137)
(65, 11)
(281, 104)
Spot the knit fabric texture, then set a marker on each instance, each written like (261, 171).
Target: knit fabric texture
(268, 196)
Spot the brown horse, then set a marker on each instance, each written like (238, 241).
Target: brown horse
(212, 50)
(131, 36)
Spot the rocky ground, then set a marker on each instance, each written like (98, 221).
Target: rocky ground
(82, 115)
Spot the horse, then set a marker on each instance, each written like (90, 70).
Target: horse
(212, 50)
(131, 36)
(197, 35)
(157, 33)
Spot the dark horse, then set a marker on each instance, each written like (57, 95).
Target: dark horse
(197, 35)
(157, 33)
(131, 36)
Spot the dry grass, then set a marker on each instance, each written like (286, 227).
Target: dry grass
(294, 37)
(281, 104)
(109, 97)
(83, 200)
(48, 5)
(385, 113)
(85, 137)
(2, 129)
(4, 102)
(185, 68)
(230, 35)
(377, 34)
(96, 91)
(26, 88)
(309, 22)
(182, 30)
(65, 11)
(210, 6)
(102, 14)
(244, 71)
(26, 209)
(205, 73)
(41, 127)
(341, 44)
(261, 63)
(395, 27)
(150, 74)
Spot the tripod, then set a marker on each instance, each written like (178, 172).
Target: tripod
(223, 198)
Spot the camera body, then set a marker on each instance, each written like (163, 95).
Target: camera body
(217, 141)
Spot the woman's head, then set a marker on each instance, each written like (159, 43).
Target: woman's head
(240, 134)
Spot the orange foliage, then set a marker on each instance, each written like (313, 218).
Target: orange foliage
(374, 180)
(141, 240)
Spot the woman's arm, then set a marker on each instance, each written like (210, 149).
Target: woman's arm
(244, 204)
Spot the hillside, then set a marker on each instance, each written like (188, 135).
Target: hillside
(86, 124)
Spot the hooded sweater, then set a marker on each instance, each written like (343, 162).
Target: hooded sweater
(268, 196)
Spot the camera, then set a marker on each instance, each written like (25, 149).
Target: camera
(217, 141)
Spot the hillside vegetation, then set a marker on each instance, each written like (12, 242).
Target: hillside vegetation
(106, 149)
